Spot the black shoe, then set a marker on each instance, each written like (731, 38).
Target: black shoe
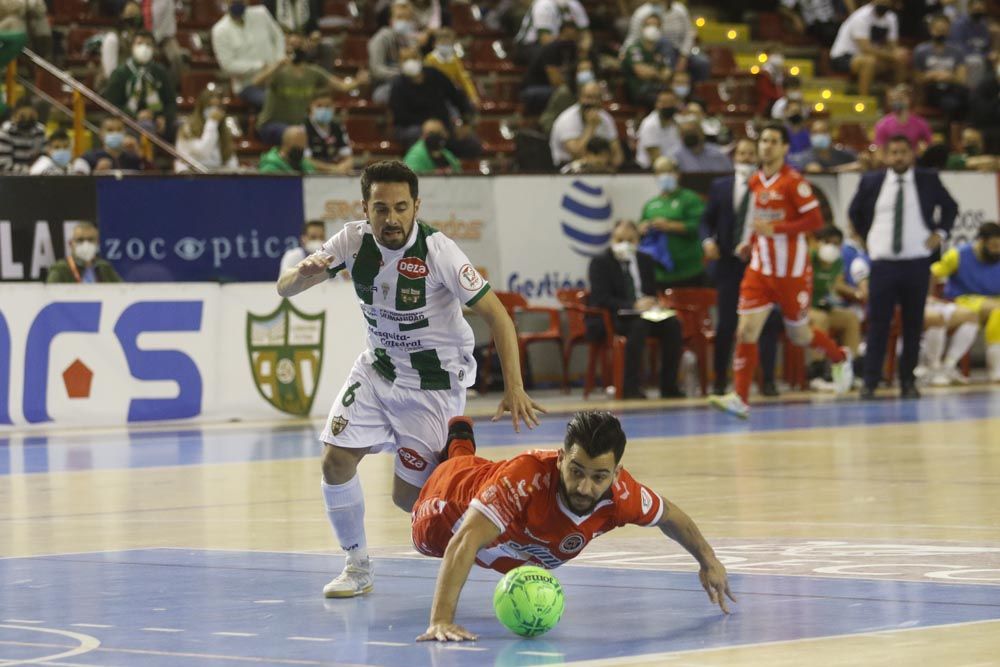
(909, 391)
(867, 393)
(459, 428)
(770, 389)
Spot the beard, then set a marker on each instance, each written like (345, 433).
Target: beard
(394, 236)
(579, 505)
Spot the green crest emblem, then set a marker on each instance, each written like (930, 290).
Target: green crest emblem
(286, 354)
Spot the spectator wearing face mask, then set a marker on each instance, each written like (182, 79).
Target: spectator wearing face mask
(141, 85)
(596, 159)
(58, 154)
(419, 94)
(941, 71)
(902, 121)
(579, 124)
(329, 145)
(622, 281)
(565, 95)
(290, 156)
(696, 155)
(444, 59)
(669, 226)
(204, 136)
(868, 44)
(648, 64)
(544, 21)
(678, 29)
(310, 240)
(829, 311)
(246, 41)
(117, 151)
(823, 155)
(798, 131)
(548, 68)
(429, 155)
(22, 139)
(291, 85)
(970, 34)
(658, 133)
(115, 44)
(83, 265)
(972, 158)
(680, 83)
(792, 93)
(384, 49)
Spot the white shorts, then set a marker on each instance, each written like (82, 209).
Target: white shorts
(372, 412)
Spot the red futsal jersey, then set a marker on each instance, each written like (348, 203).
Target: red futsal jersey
(521, 497)
(787, 200)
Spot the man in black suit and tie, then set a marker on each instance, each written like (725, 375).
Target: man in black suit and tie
(894, 211)
(725, 219)
(622, 279)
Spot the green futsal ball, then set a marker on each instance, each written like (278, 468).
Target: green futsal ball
(528, 601)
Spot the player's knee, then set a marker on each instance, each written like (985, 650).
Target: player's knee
(339, 465)
(405, 496)
(800, 335)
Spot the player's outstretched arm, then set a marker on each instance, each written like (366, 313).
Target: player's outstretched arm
(310, 271)
(476, 532)
(515, 399)
(679, 527)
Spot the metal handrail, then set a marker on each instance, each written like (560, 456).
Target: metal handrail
(68, 80)
(62, 108)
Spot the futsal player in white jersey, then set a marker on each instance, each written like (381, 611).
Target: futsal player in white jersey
(411, 379)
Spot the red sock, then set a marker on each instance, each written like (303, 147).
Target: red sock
(823, 342)
(461, 447)
(744, 364)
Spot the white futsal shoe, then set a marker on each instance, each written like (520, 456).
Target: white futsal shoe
(843, 373)
(731, 403)
(356, 579)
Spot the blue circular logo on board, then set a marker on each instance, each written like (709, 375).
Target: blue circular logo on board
(586, 218)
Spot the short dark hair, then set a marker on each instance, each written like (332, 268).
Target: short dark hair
(899, 139)
(988, 230)
(58, 135)
(778, 127)
(322, 94)
(596, 433)
(830, 231)
(387, 171)
(313, 223)
(598, 145)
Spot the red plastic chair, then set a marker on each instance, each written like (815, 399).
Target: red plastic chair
(608, 353)
(515, 305)
(694, 308)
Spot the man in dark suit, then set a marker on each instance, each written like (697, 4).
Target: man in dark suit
(894, 211)
(622, 279)
(724, 218)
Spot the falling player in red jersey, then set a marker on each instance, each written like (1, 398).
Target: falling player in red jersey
(784, 212)
(539, 508)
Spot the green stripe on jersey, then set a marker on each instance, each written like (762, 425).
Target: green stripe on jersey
(366, 267)
(479, 295)
(334, 270)
(413, 326)
(411, 293)
(383, 365)
(428, 366)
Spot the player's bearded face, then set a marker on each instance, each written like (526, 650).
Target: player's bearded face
(392, 213)
(583, 481)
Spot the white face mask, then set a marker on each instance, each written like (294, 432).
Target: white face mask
(445, 51)
(651, 33)
(412, 67)
(142, 53)
(828, 253)
(623, 251)
(402, 26)
(85, 251)
(313, 245)
(210, 111)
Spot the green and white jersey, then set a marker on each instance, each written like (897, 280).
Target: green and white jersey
(412, 300)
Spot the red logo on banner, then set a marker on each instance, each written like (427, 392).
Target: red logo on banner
(411, 459)
(412, 267)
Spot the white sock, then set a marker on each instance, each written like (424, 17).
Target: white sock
(993, 362)
(960, 343)
(934, 340)
(345, 507)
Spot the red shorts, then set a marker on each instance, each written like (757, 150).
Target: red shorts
(792, 295)
(434, 518)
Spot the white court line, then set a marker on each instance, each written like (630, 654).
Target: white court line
(309, 639)
(22, 621)
(268, 601)
(87, 644)
(75, 553)
(645, 657)
(542, 654)
(235, 634)
(161, 629)
(386, 644)
(91, 625)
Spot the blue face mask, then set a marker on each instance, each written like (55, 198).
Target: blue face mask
(62, 156)
(682, 91)
(820, 141)
(114, 140)
(322, 115)
(667, 182)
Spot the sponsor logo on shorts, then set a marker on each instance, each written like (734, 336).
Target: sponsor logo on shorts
(337, 425)
(412, 267)
(470, 279)
(571, 543)
(411, 459)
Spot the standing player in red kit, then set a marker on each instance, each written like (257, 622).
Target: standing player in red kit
(784, 212)
(539, 508)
